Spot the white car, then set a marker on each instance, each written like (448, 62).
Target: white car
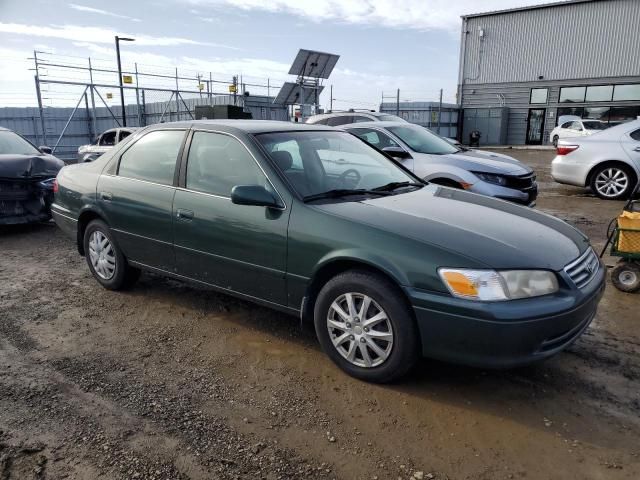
(571, 126)
(608, 162)
(104, 143)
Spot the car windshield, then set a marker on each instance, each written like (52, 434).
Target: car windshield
(320, 162)
(421, 140)
(594, 125)
(390, 118)
(13, 144)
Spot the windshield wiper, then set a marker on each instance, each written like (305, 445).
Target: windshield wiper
(396, 185)
(341, 192)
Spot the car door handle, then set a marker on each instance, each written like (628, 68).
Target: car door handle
(106, 196)
(637, 149)
(185, 215)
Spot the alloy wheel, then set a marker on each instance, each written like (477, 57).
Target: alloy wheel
(102, 255)
(612, 182)
(360, 330)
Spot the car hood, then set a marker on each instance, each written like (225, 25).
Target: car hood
(493, 232)
(478, 161)
(29, 166)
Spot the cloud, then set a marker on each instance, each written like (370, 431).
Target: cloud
(84, 8)
(99, 35)
(415, 14)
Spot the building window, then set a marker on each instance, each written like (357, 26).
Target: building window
(539, 95)
(623, 114)
(577, 111)
(599, 93)
(626, 92)
(572, 94)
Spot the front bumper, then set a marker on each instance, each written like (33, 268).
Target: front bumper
(25, 201)
(504, 334)
(525, 197)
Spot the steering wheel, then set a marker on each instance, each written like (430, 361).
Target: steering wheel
(350, 177)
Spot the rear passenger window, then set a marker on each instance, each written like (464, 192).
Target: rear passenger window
(153, 157)
(218, 162)
(336, 121)
(636, 135)
(360, 118)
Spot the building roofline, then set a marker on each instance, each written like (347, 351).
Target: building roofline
(530, 7)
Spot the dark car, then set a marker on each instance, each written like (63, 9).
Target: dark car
(27, 175)
(314, 222)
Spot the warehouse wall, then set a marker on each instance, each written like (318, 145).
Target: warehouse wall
(591, 39)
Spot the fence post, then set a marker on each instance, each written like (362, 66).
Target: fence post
(439, 111)
(138, 97)
(91, 129)
(44, 131)
(144, 111)
(93, 98)
(398, 103)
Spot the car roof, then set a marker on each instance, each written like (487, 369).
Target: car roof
(247, 126)
(383, 124)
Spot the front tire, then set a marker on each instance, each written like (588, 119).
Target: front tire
(626, 277)
(364, 324)
(105, 259)
(612, 182)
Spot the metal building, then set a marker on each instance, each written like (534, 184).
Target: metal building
(441, 118)
(535, 64)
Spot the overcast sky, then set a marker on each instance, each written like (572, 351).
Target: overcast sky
(383, 44)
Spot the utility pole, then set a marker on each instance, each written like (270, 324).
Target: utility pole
(331, 99)
(439, 111)
(398, 103)
(124, 39)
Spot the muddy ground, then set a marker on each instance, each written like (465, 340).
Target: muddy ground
(173, 381)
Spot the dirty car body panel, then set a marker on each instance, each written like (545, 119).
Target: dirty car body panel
(281, 255)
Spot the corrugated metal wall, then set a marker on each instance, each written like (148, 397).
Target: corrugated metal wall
(577, 40)
(26, 121)
(516, 97)
(426, 115)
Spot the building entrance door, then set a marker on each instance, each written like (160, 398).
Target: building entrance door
(535, 126)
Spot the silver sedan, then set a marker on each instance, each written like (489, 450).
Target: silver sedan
(608, 162)
(436, 160)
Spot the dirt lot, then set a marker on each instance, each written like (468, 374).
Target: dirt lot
(172, 381)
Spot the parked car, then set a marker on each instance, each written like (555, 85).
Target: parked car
(335, 119)
(313, 222)
(436, 160)
(27, 175)
(570, 126)
(608, 162)
(102, 144)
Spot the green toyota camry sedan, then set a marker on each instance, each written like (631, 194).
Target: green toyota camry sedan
(314, 222)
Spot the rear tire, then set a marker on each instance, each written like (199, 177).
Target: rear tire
(612, 181)
(376, 340)
(626, 277)
(105, 259)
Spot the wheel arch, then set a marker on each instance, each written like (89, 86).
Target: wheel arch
(607, 163)
(337, 265)
(86, 216)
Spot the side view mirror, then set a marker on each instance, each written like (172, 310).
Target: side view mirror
(396, 152)
(255, 195)
(45, 149)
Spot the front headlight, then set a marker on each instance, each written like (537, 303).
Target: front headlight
(492, 178)
(495, 286)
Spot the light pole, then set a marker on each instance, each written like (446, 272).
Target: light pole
(118, 40)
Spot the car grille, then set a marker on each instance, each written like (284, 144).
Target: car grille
(584, 269)
(522, 182)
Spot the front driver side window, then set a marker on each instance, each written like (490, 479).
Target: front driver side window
(219, 162)
(108, 139)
